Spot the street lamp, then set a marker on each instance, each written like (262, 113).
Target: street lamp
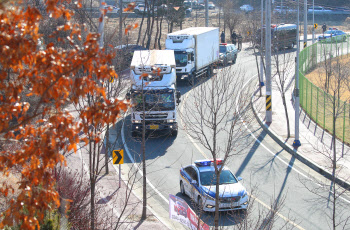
(296, 142)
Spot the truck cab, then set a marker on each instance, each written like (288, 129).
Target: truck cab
(153, 92)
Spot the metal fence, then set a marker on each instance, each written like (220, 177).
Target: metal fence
(317, 103)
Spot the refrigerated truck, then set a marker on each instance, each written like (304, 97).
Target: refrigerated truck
(153, 92)
(196, 51)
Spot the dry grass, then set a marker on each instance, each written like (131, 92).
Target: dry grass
(318, 76)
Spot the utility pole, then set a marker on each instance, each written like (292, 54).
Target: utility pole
(305, 23)
(206, 13)
(313, 21)
(101, 25)
(268, 63)
(120, 23)
(296, 142)
(261, 46)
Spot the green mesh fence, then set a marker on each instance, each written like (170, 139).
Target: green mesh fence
(316, 102)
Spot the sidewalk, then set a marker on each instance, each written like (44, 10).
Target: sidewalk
(316, 144)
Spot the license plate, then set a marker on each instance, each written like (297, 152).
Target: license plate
(154, 127)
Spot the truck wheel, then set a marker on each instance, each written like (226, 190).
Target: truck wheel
(209, 72)
(174, 133)
(234, 60)
(133, 134)
(291, 46)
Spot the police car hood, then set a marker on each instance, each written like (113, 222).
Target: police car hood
(225, 190)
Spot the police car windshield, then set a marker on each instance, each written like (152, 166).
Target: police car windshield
(329, 32)
(208, 178)
(222, 49)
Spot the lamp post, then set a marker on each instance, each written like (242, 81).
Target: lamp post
(261, 45)
(268, 63)
(296, 142)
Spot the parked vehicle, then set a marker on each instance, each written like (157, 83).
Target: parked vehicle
(246, 8)
(283, 10)
(196, 5)
(228, 53)
(282, 36)
(196, 51)
(333, 35)
(112, 10)
(318, 10)
(211, 6)
(153, 92)
(140, 8)
(198, 181)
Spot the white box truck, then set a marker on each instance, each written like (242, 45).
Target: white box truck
(196, 51)
(153, 92)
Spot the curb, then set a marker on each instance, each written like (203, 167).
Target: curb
(295, 153)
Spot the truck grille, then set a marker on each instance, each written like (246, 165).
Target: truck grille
(155, 116)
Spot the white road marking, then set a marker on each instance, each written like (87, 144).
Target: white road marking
(259, 201)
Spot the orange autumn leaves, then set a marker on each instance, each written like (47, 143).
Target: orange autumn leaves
(55, 75)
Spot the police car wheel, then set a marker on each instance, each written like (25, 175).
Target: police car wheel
(182, 189)
(199, 202)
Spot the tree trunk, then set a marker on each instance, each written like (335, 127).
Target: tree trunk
(217, 201)
(286, 113)
(92, 204)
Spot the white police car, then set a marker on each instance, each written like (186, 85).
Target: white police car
(198, 182)
(333, 35)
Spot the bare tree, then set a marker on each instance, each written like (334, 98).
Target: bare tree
(212, 117)
(333, 79)
(283, 64)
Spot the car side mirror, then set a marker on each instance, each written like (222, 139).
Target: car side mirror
(127, 96)
(194, 182)
(239, 178)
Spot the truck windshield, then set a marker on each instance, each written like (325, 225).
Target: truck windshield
(181, 58)
(154, 101)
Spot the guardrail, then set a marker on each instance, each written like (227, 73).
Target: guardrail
(317, 103)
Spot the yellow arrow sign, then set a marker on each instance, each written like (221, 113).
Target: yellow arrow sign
(315, 25)
(111, 79)
(118, 156)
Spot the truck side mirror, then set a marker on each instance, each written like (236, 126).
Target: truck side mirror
(127, 96)
(178, 101)
(178, 94)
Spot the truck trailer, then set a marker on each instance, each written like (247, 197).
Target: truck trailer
(196, 51)
(153, 92)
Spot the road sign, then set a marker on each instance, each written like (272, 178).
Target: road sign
(315, 25)
(118, 156)
(305, 44)
(111, 79)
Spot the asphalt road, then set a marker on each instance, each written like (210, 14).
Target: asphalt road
(272, 176)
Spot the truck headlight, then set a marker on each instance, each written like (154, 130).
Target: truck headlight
(136, 121)
(170, 121)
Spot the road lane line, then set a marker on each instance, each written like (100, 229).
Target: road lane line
(258, 200)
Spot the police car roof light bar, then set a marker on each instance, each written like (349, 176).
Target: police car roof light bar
(203, 162)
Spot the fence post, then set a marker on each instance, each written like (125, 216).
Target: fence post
(306, 92)
(312, 86)
(344, 121)
(317, 107)
(324, 110)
